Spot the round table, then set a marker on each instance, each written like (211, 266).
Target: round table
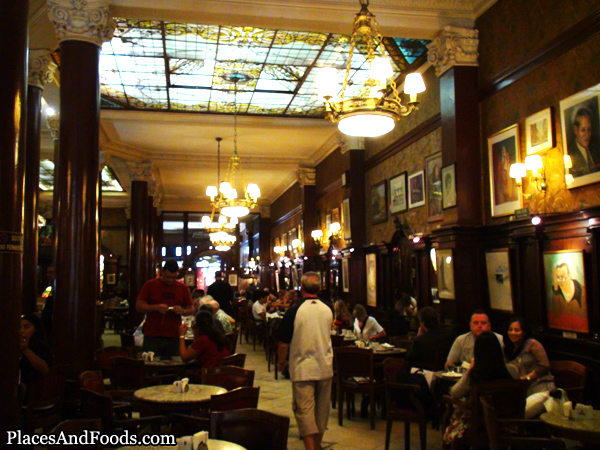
(163, 398)
(586, 431)
(213, 444)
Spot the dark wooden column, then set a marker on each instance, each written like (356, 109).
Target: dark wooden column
(77, 187)
(41, 71)
(355, 190)
(150, 237)
(138, 240)
(309, 217)
(13, 113)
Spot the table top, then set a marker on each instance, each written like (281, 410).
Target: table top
(165, 393)
(213, 444)
(448, 376)
(165, 363)
(590, 426)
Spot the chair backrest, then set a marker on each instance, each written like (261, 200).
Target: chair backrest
(491, 421)
(228, 377)
(238, 360)
(570, 376)
(232, 338)
(98, 406)
(353, 362)
(77, 426)
(92, 380)
(44, 400)
(105, 355)
(337, 340)
(240, 398)
(253, 429)
(127, 373)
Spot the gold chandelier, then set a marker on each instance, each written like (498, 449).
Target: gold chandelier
(375, 109)
(225, 199)
(219, 237)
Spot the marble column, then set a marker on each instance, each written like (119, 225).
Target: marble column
(41, 72)
(13, 115)
(81, 28)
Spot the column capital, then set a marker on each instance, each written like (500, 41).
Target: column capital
(454, 46)
(81, 20)
(265, 211)
(53, 123)
(103, 159)
(141, 171)
(307, 176)
(40, 69)
(350, 142)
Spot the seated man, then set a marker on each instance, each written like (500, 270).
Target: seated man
(226, 320)
(259, 307)
(462, 349)
(430, 339)
(366, 327)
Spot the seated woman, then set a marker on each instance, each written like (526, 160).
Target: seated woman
(343, 318)
(366, 327)
(36, 355)
(209, 346)
(530, 359)
(487, 365)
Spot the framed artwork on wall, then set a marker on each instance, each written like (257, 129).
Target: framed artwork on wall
(327, 221)
(449, 186)
(580, 119)
(539, 133)
(345, 276)
(232, 279)
(445, 274)
(416, 189)
(503, 150)
(335, 215)
(566, 293)
(398, 193)
(379, 202)
(111, 278)
(372, 280)
(347, 226)
(497, 264)
(434, 187)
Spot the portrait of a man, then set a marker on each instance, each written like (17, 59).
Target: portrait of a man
(566, 293)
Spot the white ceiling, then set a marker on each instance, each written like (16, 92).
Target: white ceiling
(182, 147)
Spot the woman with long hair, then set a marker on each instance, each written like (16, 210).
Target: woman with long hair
(343, 317)
(531, 360)
(209, 346)
(36, 355)
(487, 365)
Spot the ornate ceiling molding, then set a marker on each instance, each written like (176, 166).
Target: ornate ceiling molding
(53, 123)
(307, 176)
(41, 68)
(453, 47)
(81, 20)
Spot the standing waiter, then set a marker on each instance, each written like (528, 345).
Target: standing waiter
(221, 291)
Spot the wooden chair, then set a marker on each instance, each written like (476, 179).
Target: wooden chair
(128, 341)
(105, 355)
(232, 338)
(186, 425)
(353, 363)
(98, 406)
(510, 395)
(92, 380)
(238, 360)
(228, 377)
(77, 426)
(271, 344)
(403, 403)
(253, 429)
(500, 439)
(570, 376)
(43, 408)
(130, 374)
(240, 398)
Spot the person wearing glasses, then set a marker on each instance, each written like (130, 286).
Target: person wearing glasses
(569, 305)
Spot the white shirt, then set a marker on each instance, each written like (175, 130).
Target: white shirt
(371, 328)
(258, 308)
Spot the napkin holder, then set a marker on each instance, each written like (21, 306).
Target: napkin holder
(200, 440)
(148, 356)
(181, 386)
(583, 412)
(185, 443)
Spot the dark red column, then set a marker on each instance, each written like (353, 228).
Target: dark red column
(13, 114)
(138, 240)
(150, 237)
(76, 193)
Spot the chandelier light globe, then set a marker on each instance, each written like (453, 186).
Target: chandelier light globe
(211, 191)
(222, 219)
(222, 241)
(374, 107)
(235, 211)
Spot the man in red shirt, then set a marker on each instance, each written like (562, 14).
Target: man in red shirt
(164, 300)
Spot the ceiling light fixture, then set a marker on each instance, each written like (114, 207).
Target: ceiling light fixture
(374, 108)
(225, 199)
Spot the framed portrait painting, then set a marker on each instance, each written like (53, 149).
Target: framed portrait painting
(539, 133)
(111, 278)
(434, 187)
(335, 215)
(503, 150)
(497, 264)
(398, 192)
(580, 120)
(346, 225)
(566, 293)
(449, 186)
(416, 189)
(345, 276)
(232, 279)
(445, 274)
(379, 202)
(372, 279)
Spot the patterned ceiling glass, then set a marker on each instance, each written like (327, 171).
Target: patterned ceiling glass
(108, 180)
(155, 65)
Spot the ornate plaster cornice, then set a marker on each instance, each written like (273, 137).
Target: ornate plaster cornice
(141, 171)
(350, 142)
(81, 20)
(40, 69)
(453, 47)
(307, 176)
(53, 123)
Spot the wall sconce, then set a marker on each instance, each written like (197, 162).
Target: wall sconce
(416, 238)
(568, 165)
(335, 230)
(317, 235)
(533, 163)
(278, 250)
(296, 244)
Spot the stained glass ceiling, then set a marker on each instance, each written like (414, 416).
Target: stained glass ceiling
(172, 66)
